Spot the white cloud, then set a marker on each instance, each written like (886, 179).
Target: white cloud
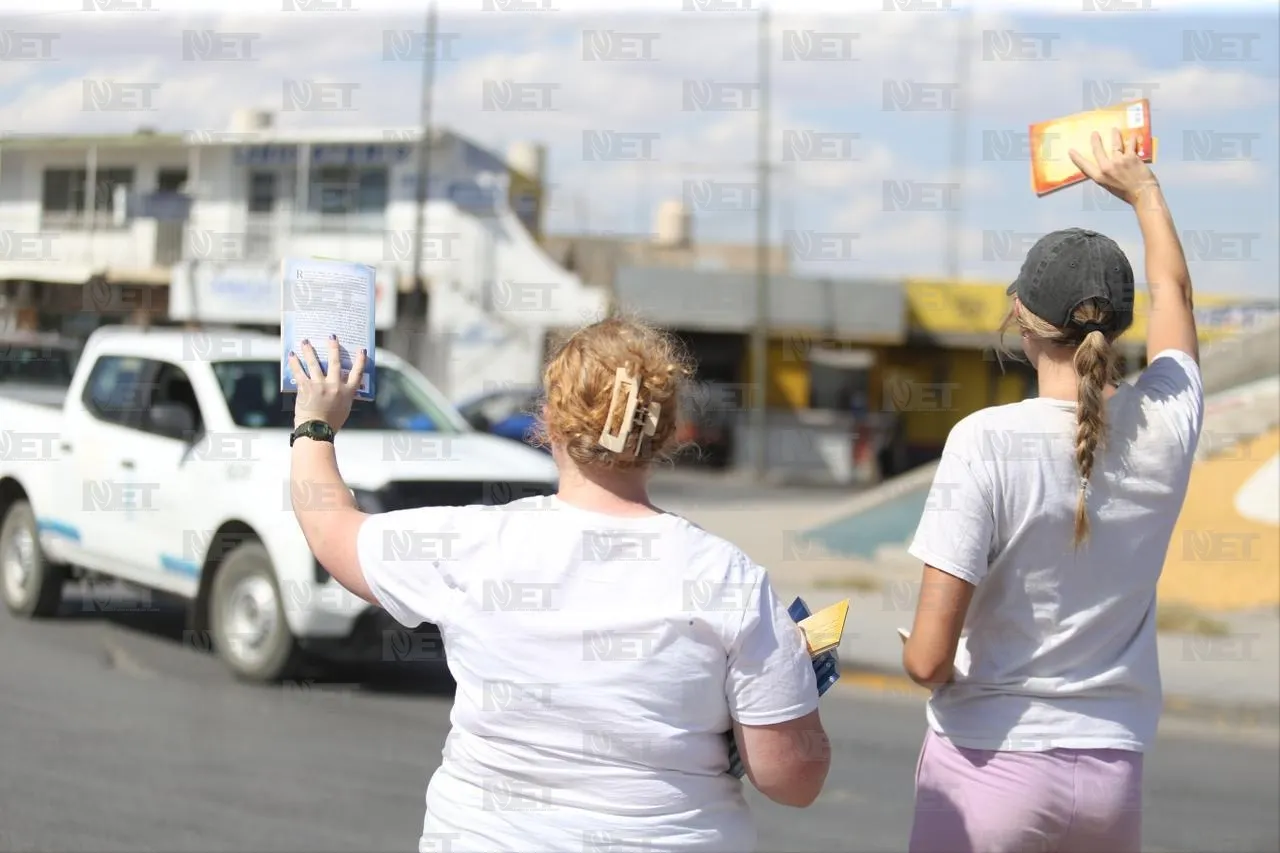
(537, 49)
(1221, 173)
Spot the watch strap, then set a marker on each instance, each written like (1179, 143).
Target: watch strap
(314, 430)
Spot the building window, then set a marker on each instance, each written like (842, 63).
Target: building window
(64, 191)
(262, 192)
(344, 190)
(171, 180)
(64, 196)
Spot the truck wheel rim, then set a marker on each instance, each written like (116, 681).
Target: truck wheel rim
(19, 565)
(250, 620)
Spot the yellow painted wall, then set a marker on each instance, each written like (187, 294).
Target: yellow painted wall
(932, 389)
(788, 376)
(944, 307)
(1242, 574)
(1011, 386)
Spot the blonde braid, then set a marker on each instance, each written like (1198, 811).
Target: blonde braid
(1095, 366)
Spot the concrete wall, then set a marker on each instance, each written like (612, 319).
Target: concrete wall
(1252, 355)
(868, 310)
(597, 258)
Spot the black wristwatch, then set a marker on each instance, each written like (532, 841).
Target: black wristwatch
(314, 430)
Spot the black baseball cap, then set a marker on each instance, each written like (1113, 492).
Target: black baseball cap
(1066, 268)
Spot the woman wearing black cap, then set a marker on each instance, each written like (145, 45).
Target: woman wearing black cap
(1043, 539)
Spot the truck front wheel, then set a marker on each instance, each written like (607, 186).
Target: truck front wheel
(250, 632)
(31, 586)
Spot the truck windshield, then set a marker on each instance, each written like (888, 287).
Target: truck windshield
(252, 392)
(35, 365)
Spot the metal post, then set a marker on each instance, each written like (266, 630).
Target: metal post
(959, 140)
(413, 346)
(91, 188)
(760, 340)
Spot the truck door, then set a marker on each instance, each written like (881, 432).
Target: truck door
(104, 444)
(174, 532)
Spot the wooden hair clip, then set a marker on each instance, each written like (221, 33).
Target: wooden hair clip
(618, 441)
(648, 425)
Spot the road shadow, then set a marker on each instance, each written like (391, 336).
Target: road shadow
(162, 617)
(143, 611)
(400, 678)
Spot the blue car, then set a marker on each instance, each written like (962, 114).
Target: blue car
(508, 413)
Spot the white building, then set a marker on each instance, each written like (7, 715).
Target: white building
(200, 224)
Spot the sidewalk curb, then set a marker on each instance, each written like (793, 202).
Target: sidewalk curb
(1260, 715)
(869, 677)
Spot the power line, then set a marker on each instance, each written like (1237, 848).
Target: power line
(959, 140)
(413, 347)
(760, 340)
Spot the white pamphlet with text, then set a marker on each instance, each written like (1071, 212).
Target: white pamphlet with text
(322, 297)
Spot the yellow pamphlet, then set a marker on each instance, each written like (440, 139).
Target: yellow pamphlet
(1051, 141)
(823, 630)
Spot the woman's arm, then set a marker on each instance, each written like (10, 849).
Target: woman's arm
(1124, 174)
(1173, 320)
(929, 653)
(773, 697)
(953, 541)
(787, 762)
(324, 506)
(326, 512)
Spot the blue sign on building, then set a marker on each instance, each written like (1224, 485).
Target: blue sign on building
(266, 155)
(377, 154)
(374, 154)
(166, 206)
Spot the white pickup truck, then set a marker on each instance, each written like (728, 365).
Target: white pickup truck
(167, 467)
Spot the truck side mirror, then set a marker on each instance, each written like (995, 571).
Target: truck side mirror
(172, 419)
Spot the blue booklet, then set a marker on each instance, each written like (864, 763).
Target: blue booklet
(826, 669)
(322, 297)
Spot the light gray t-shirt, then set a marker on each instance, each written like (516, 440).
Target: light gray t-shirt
(1059, 645)
(599, 662)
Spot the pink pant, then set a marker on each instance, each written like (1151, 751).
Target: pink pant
(1060, 801)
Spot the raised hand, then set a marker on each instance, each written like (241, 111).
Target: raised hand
(1120, 171)
(320, 397)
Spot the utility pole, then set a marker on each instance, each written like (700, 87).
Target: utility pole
(959, 140)
(418, 313)
(760, 340)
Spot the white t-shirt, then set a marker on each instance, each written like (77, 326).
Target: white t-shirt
(599, 661)
(1059, 646)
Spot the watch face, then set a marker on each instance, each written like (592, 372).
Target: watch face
(316, 430)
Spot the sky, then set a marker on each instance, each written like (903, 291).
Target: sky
(862, 108)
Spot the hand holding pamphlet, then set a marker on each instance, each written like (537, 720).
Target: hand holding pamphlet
(322, 297)
(1050, 141)
(822, 632)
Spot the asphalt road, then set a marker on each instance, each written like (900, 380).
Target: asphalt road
(681, 489)
(114, 736)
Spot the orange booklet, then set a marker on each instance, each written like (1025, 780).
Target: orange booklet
(1050, 141)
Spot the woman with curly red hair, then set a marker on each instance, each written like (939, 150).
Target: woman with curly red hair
(599, 716)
